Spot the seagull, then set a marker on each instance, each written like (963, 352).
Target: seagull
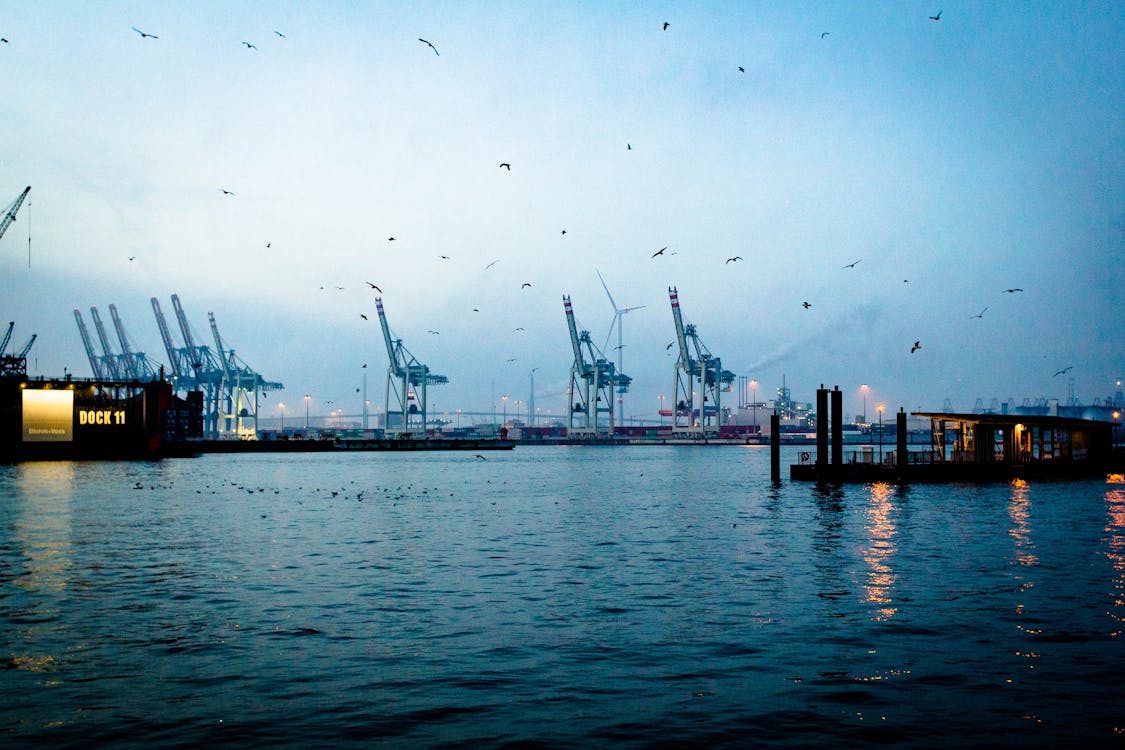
(564, 231)
(735, 258)
(1062, 371)
(132, 257)
(1012, 291)
(268, 245)
(433, 332)
(363, 316)
(525, 285)
(444, 257)
(660, 251)
(978, 315)
(628, 146)
(423, 41)
(665, 25)
(823, 34)
(518, 329)
(670, 345)
(853, 265)
(806, 305)
(476, 309)
(513, 359)
(916, 347)
(249, 45)
(5, 41)
(134, 28)
(490, 265)
(482, 458)
(226, 192)
(741, 69)
(380, 291)
(364, 365)
(937, 17)
(281, 35)
(506, 166)
(390, 239)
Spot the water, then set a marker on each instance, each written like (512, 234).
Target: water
(554, 597)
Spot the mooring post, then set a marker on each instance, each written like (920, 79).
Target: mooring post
(901, 456)
(821, 431)
(775, 448)
(837, 428)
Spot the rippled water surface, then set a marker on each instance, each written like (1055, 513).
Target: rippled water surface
(556, 596)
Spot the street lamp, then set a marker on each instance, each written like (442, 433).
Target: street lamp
(505, 400)
(864, 389)
(880, 407)
(307, 397)
(281, 406)
(660, 413)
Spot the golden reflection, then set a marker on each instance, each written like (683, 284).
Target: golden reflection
(1019, 512)
(881, 550)
(1115, 541)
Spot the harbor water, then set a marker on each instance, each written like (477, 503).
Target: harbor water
(551, 597)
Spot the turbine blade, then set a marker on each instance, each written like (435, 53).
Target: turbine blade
(606, 288)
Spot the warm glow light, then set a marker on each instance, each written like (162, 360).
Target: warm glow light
(880, 407)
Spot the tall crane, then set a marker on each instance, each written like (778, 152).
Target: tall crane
(136, 365)
(11, 210)
(407, 380)
(95, 360)
(238, 392)
(175, 358)
(112, 365)
(699, 380)
(14, 364)
(593, 381)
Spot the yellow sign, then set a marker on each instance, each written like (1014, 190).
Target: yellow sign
(48, 415)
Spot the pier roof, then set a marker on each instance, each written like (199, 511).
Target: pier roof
(1004, 420)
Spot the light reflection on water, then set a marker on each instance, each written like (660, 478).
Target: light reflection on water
(573, 596)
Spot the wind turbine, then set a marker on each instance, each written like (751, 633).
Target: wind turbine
(618, 312)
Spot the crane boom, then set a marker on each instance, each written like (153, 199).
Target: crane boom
(575, 339)
(128, 359)
(392, 355)
(7, 337)
(681, 340)
(110, 360)
(166, 336)
(27, 346)
(11, 210)
(95, 363)
(185, 330)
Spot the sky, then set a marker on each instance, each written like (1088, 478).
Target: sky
(954, 159)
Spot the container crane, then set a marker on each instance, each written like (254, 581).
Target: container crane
(111, 363)
(407, 380)
(180, 369)
(135, 364)
(699, 379)
(10, 213)
(7, 336)
(15, 364)
(238, 392)
(95, 360)
(593, 380)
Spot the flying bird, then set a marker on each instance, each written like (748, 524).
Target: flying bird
(806, 305)
(249, 45)
(476, 309)
(665, 25)
(513, 359)
(979, 315)
(490, 265)
(741, 69)
(564, 231)
(482, 458)
(268, 245)
(364, 365)
(660, 251)
(670, 345)
(423, 41)
(390, 239)
(1063, 371)
(518, 329)
(226, 192)
(433, 332)
(363, 316)
(853, 265)
(823, 34)
(525, 285)
(732, 260)
(5, 41)
(937, 17)
(281, 35)
(134, 28)
(1013, 291)
(132, 257)
(916, 347)
(444, 257)
(380, 291)
(506, 166)
(628, 146)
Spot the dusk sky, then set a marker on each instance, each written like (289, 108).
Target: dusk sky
(954, 159)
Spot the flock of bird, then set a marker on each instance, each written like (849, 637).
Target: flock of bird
(507, 165)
